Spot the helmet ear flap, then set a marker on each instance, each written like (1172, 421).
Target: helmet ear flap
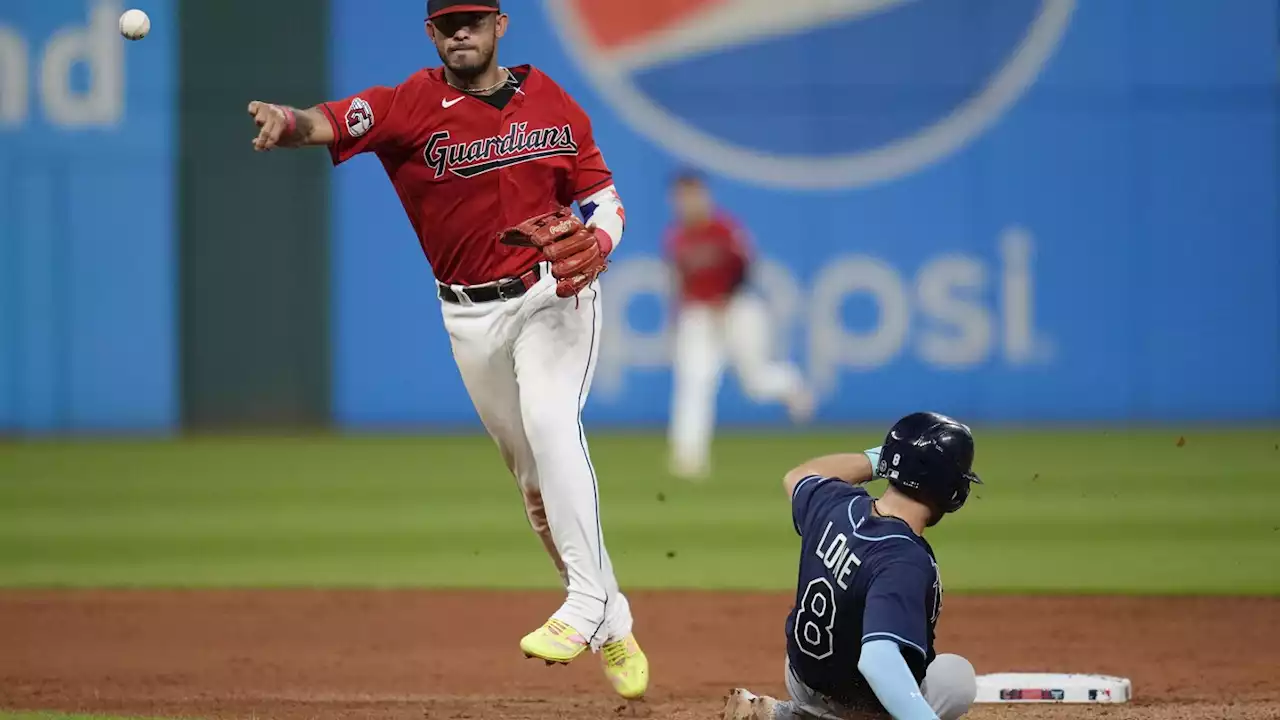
(961, 495)
(958, 499)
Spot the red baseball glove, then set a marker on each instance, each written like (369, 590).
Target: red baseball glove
(571, 247)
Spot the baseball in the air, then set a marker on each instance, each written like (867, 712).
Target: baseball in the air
(134, 24)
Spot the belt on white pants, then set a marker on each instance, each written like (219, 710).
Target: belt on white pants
(505, 289)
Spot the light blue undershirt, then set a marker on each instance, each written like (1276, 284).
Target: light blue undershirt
(886, 671)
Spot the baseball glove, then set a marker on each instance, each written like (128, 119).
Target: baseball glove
(571, 247)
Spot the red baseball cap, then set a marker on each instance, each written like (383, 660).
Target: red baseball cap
(436, 8)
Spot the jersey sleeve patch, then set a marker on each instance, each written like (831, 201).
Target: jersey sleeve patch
(359, 117)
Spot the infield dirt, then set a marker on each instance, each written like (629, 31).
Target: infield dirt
(437, 654)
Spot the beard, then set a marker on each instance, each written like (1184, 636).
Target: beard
(476, 63)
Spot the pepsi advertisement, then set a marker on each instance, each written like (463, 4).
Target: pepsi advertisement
(1037, 210)
(87, 291)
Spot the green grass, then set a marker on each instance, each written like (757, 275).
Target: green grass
(1071, 511)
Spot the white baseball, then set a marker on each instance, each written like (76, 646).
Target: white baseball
(134, 24)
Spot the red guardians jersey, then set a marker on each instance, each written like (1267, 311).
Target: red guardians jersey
(711, 259)
(466, 169)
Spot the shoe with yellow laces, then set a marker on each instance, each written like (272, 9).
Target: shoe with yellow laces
(555, 642)
(626, 667)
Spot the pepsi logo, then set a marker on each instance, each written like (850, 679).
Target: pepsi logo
(811, 94)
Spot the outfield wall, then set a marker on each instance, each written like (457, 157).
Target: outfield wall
(1055, 210)
(1046, 210)
(87, 294)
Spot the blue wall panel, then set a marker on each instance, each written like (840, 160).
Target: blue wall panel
(86, 247)
(1072, 203)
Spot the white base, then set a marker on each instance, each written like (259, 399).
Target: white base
(1020, 688)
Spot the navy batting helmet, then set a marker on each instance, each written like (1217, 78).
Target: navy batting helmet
(930, 457)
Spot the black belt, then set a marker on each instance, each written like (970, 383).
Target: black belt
(507, 289)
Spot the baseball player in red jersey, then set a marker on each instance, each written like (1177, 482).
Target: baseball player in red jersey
(717, 315)
(486, 161)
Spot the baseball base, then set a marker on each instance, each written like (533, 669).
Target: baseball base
(1053, 688)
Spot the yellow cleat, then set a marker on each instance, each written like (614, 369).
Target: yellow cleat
(626, 667)
(555, 642)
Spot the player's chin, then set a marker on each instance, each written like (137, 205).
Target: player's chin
(465, 63)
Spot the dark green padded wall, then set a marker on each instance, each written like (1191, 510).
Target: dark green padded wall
(254, 226)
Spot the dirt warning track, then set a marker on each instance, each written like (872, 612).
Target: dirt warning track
(428, 654)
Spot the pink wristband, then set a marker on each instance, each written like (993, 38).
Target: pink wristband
(290, 120)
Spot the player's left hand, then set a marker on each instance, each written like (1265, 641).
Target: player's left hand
(572, 248)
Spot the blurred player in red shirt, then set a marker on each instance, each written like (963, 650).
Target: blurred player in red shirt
(718, 318)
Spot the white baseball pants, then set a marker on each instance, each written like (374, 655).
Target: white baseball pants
(527, 364)
(706, 337)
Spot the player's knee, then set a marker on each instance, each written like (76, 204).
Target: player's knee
(757, 389)
(549, 428)
(950, 686)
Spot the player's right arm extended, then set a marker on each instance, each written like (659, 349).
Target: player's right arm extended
(853, 468)
(284, 126)
(881, 663)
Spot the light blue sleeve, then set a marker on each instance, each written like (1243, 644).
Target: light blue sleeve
(874, 456)
(887, 673)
